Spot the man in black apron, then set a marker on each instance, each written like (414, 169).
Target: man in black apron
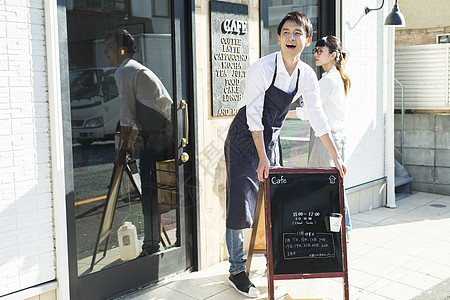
(272, 84)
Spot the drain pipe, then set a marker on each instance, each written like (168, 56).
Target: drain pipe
(389, 130)
(403, 121)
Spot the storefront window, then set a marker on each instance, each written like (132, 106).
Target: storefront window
(295, 134)
(95, 104)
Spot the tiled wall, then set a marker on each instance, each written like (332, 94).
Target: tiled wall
(26, 226)
(46, 296)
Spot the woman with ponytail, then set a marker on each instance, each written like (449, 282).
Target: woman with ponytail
(334, 87)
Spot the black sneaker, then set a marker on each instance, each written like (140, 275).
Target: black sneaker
(243, 285)
(148, 251)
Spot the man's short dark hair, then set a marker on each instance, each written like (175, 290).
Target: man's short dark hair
(123, 39)
(299, 18)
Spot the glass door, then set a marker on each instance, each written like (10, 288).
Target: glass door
(129, 224)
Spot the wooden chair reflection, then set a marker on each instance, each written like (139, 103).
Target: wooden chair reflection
(167, 200)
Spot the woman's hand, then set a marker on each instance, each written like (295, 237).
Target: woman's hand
(327, 141)
(263, 168)
(339, 164)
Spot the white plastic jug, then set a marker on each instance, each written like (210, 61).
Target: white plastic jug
(128, 241)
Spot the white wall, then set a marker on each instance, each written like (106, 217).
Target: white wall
(26, 224)
(425, 14)
(362, 38)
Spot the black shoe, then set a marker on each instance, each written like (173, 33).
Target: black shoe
(243, 285)
(148, 251)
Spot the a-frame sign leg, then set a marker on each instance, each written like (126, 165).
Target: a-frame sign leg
(269, 252)
(346, 285)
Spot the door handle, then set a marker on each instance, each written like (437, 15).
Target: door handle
(184, 157)
(185, 140)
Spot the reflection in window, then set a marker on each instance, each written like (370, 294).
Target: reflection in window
(109, 86)
(95, 106)
(83, 84)
(278, 9)
(99, 5)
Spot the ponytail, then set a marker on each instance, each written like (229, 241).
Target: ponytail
(340, 65)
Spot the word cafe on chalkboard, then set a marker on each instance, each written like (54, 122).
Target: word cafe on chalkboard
(229, 56)
(305, 225)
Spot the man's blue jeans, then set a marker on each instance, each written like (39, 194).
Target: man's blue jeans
(235, 245)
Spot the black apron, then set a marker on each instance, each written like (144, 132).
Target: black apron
(241, 157)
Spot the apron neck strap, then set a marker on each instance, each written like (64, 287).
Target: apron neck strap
(275, 72)
(296, 85)
(275, 76)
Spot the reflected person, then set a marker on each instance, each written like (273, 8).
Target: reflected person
(145, 109)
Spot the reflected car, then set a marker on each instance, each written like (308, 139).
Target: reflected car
(95, 105)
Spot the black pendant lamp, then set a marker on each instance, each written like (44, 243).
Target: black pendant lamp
(394, 18)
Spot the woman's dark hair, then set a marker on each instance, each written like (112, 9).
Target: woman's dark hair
(334, 45)
(299, 18)
(123, 39)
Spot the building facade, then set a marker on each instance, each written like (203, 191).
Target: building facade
(62, 211)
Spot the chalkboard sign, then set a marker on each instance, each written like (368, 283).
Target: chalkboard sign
(300, 240)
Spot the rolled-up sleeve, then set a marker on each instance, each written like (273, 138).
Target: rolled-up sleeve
(313, 104)
(254, 94)
(301, 112)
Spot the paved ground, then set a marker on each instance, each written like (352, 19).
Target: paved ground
(397, 254)
(439, 291)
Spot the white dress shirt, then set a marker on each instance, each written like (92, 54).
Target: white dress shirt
(258, 80)
(332, 95)
(137, 83)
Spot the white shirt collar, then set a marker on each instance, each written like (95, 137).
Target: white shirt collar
(282, 68)
(124, 62)
(330, 71)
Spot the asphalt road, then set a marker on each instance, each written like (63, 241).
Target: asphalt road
(92, 169)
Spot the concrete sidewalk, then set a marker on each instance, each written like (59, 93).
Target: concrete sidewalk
(400, 253)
